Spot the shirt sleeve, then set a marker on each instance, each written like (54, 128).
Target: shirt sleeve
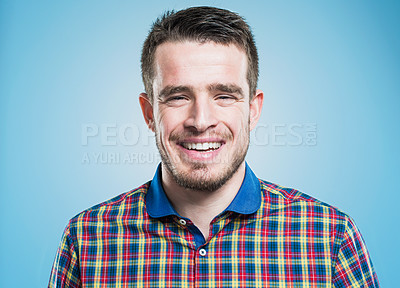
(353, 266)
(65, 272)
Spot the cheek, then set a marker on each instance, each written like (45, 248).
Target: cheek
(168, 121)
(235, 119)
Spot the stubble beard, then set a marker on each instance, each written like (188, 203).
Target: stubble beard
(200, 177)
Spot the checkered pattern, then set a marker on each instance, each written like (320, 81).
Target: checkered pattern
(293, 240)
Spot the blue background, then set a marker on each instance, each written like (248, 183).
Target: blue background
(70, 65)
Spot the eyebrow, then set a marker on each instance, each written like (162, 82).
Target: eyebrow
(228, 88)
(170, 89)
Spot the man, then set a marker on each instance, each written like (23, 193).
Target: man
(205, 220)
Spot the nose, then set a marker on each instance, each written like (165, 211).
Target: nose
(202, 115)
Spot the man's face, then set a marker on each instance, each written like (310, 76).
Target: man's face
(201, 112)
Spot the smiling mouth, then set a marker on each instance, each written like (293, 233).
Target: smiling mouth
(203, 147)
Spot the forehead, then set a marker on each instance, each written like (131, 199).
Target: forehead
(199, 63)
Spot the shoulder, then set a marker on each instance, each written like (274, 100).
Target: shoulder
(128, 205)
(292, 202)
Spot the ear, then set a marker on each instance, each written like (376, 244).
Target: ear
(147, 110)
(255, 108)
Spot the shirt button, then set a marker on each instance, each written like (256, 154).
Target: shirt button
(182, 221)
(203, 252)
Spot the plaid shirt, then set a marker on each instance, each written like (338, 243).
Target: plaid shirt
(269, 236)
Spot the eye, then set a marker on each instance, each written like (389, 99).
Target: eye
(226, 99)
(176, 100)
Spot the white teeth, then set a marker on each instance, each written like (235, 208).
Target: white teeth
(202, 146)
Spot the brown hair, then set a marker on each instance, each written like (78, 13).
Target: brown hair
(200, 24)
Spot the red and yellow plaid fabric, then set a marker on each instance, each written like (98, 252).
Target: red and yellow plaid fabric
(292, 240)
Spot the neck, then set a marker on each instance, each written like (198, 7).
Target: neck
(201, 207)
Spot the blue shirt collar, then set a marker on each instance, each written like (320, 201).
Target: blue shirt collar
(246, 201)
